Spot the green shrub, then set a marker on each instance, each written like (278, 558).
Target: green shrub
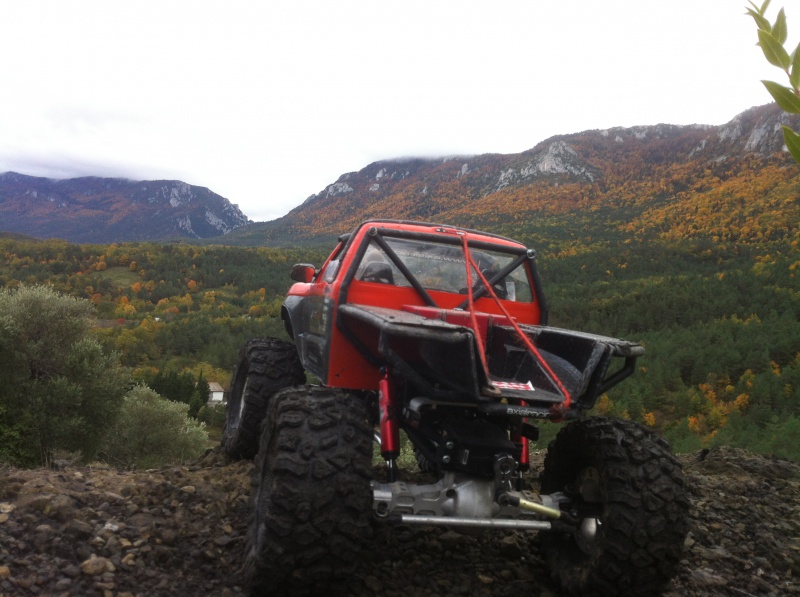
(152, 431)
(212, 415)
(58, 389)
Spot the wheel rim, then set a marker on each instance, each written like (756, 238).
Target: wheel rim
(591, 492)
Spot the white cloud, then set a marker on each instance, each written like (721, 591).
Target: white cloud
(267, 103)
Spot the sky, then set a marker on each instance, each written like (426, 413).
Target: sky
(267, 103)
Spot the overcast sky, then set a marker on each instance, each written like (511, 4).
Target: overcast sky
(268, 102)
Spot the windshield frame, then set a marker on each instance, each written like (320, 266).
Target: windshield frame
(519, 253)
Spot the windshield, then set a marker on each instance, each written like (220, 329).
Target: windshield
(439, 266)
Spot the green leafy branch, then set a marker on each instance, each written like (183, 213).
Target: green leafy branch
(772, 40)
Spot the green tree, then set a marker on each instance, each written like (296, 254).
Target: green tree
(178, 387)
(152, 431)
(772, 40)
(199, 396)
(58, 389)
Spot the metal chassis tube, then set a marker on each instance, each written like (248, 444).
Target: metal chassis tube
(483, 523)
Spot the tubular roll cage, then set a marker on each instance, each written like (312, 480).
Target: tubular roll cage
(378, 234)
(389, 426)
(458, 238)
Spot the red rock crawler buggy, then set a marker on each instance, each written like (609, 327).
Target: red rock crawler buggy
(441, 332)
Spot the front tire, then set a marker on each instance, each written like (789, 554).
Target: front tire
(265, 366)
(311, 497)
(628, 478)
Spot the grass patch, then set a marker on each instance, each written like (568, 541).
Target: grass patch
(121, 276)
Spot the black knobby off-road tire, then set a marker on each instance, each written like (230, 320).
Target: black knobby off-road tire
(635, 484)
(265, 366)
(311, 499)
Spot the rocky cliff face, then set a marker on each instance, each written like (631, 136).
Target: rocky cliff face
(180, 531)
(581, 158)
(606, 165)
(101, 210)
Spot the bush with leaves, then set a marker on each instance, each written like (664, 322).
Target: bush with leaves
(152, 431)
(772, 40)
(213, 415)
(58, 389)
(178, 387)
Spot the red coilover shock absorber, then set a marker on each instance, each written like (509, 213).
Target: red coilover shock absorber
(390, 432)
(524, 452)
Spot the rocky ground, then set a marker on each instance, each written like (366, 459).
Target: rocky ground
(180, 531)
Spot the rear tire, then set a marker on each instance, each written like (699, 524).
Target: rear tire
(265, 366)
(311, 498)
(629, 476)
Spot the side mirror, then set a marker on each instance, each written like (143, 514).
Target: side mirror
(303, 272)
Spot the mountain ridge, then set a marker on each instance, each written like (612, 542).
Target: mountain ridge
(97, 210)
(620, 166)
(636, 174)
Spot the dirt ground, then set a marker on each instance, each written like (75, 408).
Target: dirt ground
(180, 531)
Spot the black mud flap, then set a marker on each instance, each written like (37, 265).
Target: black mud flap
(436, 357)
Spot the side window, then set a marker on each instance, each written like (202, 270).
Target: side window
(330, 272)
(331, 268)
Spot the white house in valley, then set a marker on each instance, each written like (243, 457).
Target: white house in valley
(216, 393)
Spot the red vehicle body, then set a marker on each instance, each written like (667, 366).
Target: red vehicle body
(430, 326)
(324, 348)
(441, 333)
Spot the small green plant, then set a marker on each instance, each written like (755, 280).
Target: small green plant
(213, 415)
(772, 40)
(406, 460)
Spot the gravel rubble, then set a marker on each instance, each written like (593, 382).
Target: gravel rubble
(181, 531)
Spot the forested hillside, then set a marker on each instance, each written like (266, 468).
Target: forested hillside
(720, 318)
(685, 238)
(163, 307)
